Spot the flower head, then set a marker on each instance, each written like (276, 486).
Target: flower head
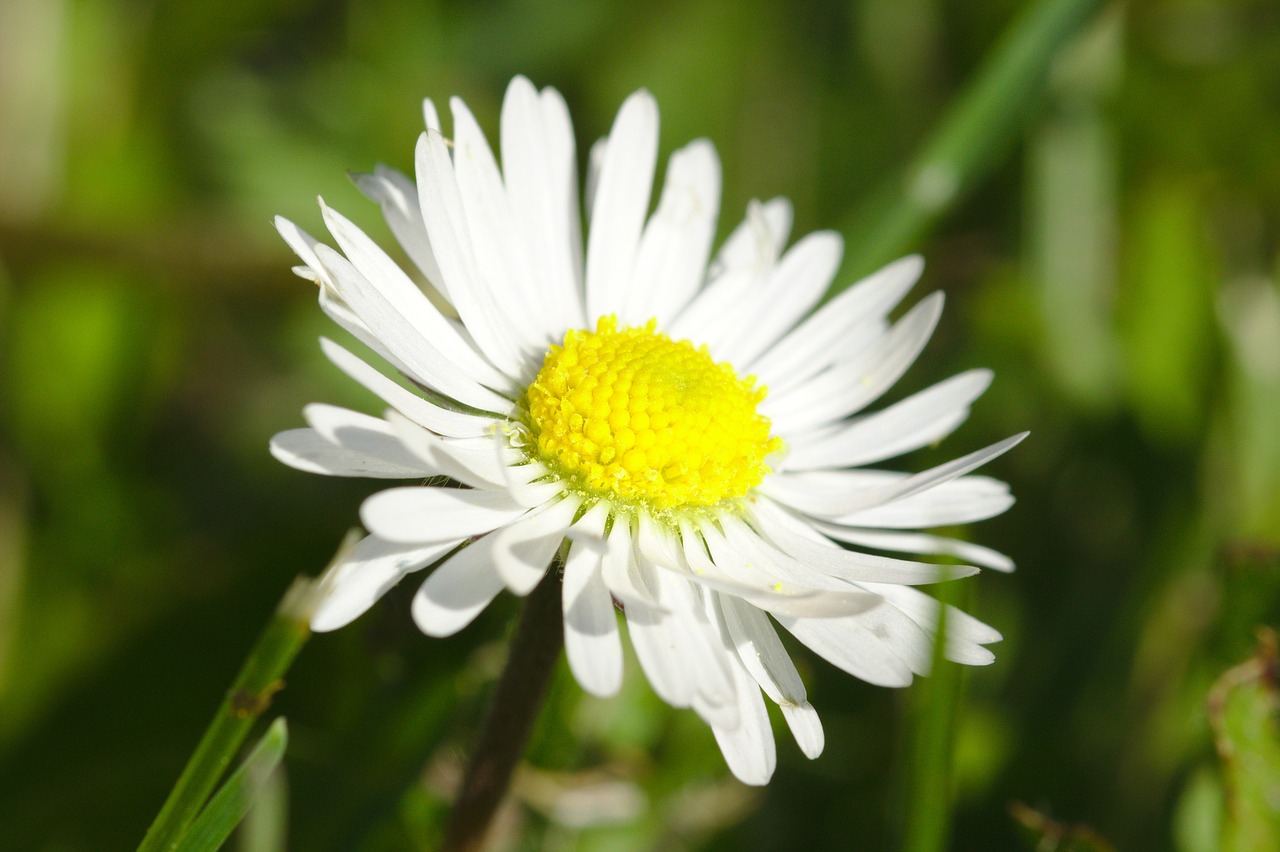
(685, 436)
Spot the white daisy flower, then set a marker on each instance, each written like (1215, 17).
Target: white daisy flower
(685, 435)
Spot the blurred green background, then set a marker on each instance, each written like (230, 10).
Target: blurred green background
(1118, 270)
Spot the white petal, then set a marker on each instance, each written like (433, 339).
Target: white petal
(446, 421)
(366, 573)
(591, 641)
(424, 515)
(928, 480)
(765, 227)
(621, 201)
(863, 645)
(916, 543)
(672, 257)
(810, 345)
(398, 292)
(714, 315)
(750, 570)
(797, 283)
(680, 651)
(469, 460)
(748, 748)
(458, 590)
(499, 240)
(446, 221)
(397, 195)
(851, 385)
(921, 419)
(962, 629)
(761, 651)
(412, 352)
(523, 550)
(825, 557)
(308, 450)
(540, 169)
(806, 727)
(836, 494)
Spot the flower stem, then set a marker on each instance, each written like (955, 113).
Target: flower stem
(514, 707)
(970, 138)
(250, 695)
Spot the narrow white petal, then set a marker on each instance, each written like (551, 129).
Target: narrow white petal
(851, 645)
(503, 256)
(812, 341)
(749, 569)
(766, 226)
(591, 641)
(851, 385)
(925, 481)
(748, 748)
(715, 314)
(523, 550)
(761, 651)
(837, 494)
(366, 573)
(802, 275)
(924, 610)
(446, 421)
(823, 556)
(413, 352)
(806, 727)
(620, 204)
(307, 450)
(401, 295)
(456, 592)
(672, 257)
(917, 543)
(468, 460)
(919, 420)
(397, 195)
(540, 170)
(451, 238)
(414, 515)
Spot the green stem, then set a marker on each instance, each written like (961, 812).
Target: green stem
(935, 704)
(248, 698)
(970, 138)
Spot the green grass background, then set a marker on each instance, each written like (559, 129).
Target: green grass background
(1117, 269)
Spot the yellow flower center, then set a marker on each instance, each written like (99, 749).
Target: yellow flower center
(636, 417)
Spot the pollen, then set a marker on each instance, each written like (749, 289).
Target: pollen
(633, 416)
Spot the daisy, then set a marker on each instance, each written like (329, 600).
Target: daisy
(684, 436)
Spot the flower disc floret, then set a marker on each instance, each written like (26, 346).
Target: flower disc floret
(633, 416)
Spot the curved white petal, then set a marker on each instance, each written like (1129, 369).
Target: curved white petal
(446, 421)
(917, 421)
(761, 651)
(620, 204)
(806, 727)
(540, 170)
(797, 283)
(672, 257)
(591, 641)
(456, 592)
(365, 574)
(468, 460)
(446, 221)
(523, 550)
(401, 295)
(851, 385)
(307, 450)
(397, 195)
(748, 747)
(916, 543)
(819, 339)
(422, 514)
(416, 355)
